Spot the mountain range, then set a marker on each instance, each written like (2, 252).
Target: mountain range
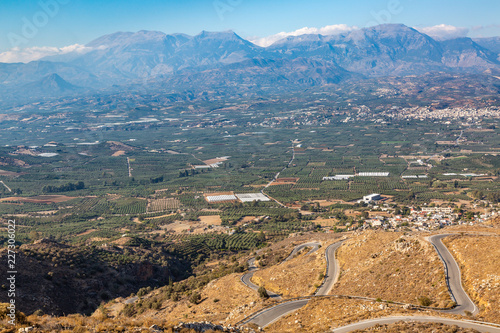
(217, 59)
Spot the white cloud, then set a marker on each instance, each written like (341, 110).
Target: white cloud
(37, 52)
(328, 30)
(444, 31)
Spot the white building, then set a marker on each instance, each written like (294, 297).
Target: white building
(371, 197)
(373, 174)
(432, 210)
(338, 177)
(249, 197)
(221, 198)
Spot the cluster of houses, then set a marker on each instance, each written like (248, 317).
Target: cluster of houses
(424, 219)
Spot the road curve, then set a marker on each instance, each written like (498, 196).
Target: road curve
(269, 316)
(390, 320)
(246, 278)
(332, 270)
(453, 278)
(314, 245)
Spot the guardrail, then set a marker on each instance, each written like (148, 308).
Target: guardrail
(410, 306)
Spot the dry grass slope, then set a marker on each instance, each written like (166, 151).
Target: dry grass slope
(323, 314)
(223, 301)
(479, 260)
(393, 267)
(416, 327)
(299, 276)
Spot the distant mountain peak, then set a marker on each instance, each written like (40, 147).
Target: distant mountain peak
(228, 34)
(51, 85)
(119, 38)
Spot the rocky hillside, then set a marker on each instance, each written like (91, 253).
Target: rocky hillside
(62, 279)
(393, 267)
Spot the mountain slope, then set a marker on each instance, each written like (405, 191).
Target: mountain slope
(50, 85)
(130, 55)
(382, 50)
(492, 44)
(212, 59)
(465, 53)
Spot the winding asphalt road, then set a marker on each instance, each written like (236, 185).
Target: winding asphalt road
(268, 316)
(246, 278)
(332, 271)
(453, 278)
(390, 320)
(314, 245)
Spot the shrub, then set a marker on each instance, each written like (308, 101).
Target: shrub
(128, 310)
(424, 301)
(38, 313)
(144, 291)
(263, 293)
(195, 298)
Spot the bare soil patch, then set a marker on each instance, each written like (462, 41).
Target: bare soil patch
(177, 226)
(160, 205)
(159, 217)
(47, 199)
(247, 219)
(118, 146)
(9, 173)
(326, 222)
(326, 203)
(211, 219)
(214, 160)
(119, 153)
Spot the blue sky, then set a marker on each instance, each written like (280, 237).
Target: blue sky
(79, 22)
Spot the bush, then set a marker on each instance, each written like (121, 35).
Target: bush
(424, 301)
(144, 291)
(38, 313)
(195, 298)
(263, 293)
(128, 310)
(156, 305)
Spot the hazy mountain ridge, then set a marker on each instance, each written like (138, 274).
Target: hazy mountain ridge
(51, 84)
(216, 58)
